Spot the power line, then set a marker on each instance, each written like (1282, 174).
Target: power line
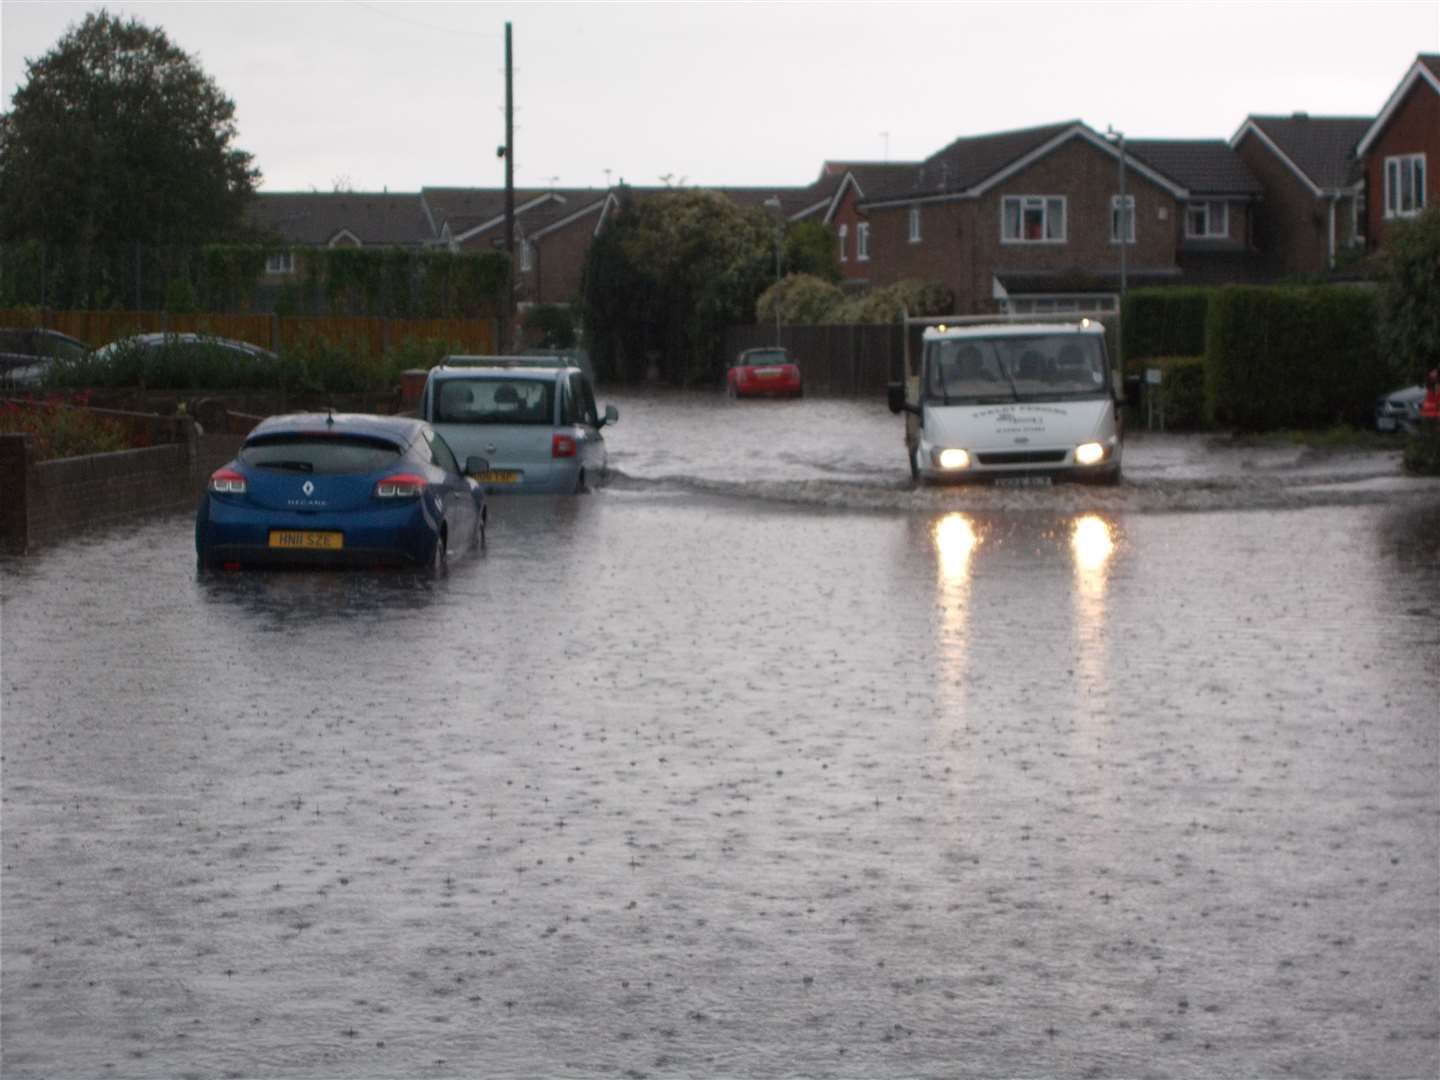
(424, 25)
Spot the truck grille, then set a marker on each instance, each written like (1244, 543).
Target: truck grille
(1022, 457)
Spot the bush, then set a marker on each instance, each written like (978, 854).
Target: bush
(550, 326)
(1181, 391)
(1164, 322)
(1293, 357)
(1410, 296)
(803, 300)
(62, 430)
(1422, 451)
(190, 365)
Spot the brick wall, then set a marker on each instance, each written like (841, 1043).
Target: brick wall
(44, 502)
(961, 239)
(1414, 128)
(560, 262)
(1291, 225)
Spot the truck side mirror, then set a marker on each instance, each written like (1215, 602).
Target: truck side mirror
(895, 396)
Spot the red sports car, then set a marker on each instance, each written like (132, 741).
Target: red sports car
(768, 372)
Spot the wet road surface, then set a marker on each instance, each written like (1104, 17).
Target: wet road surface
(736, 768)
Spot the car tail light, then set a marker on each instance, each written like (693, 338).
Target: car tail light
(562, 446)
(227, 482)
(400, 486)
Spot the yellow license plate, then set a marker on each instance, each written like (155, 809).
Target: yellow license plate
(499, 476)
(313, 541)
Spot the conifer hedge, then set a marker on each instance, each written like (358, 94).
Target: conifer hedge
(1291, 357)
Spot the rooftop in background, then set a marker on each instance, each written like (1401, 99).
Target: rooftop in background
(1201, 166)
(1320, 147)
(317, 218)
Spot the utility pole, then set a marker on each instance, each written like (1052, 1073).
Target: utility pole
(507, 322)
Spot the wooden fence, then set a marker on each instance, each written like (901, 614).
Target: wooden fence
(855, 361)
(274, 332)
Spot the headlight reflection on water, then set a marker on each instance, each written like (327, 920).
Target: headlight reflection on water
(955, 540)
(1093, 542)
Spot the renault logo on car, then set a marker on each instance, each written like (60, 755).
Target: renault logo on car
(308, 488)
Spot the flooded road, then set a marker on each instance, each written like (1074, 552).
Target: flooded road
(754, 763)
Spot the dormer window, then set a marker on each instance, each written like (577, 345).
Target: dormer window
(844, 231)
(862, 242)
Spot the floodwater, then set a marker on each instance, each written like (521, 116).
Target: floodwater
(753, 763)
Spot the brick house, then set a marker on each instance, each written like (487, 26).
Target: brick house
(1031, 220)
(553, 230)
(1400, 150)
(312, 219)
(1312, 211)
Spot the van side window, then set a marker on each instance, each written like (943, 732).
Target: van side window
(586, 396)
(570, 410)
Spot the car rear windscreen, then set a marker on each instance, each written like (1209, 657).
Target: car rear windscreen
(757, 358)
(322, 455)
(495, 401)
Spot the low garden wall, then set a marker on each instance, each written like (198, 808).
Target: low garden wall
(42, 502)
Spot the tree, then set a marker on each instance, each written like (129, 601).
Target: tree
(1410, 295)
(666, 277)
(810, 248)
(117, 138)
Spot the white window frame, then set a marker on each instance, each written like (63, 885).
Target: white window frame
(1210, 232)
(1060, 303)
(914, 225)
(527, 256)
(280, 263)
(1397, 170)
(862, 242)
(844, 233)
(1044, 204)
(1129, 216)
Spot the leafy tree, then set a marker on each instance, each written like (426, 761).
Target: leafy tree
(117, 138)
(1410, 296)
(550, 326)
(666, 277)
(810, 248)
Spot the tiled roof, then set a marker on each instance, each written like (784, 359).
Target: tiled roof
(315, 218)
(464, 209)
(1202, 166)
(966, 162)
(1322, 147)
(792, 199)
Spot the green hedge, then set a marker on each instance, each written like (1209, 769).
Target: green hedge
(1181, 392)
(1293, 357)
(1164, 322)
(1422, 451)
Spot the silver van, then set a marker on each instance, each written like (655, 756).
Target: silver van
(533, 420)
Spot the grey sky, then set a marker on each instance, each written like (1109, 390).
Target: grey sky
(403, 95)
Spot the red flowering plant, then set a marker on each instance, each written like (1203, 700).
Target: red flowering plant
(62, 428)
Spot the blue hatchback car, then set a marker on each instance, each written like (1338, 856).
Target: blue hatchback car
(332, 488)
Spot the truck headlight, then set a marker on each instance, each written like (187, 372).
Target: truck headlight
(1089, 453)
(951, 459)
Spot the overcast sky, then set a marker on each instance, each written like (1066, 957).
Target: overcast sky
(378, 95)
